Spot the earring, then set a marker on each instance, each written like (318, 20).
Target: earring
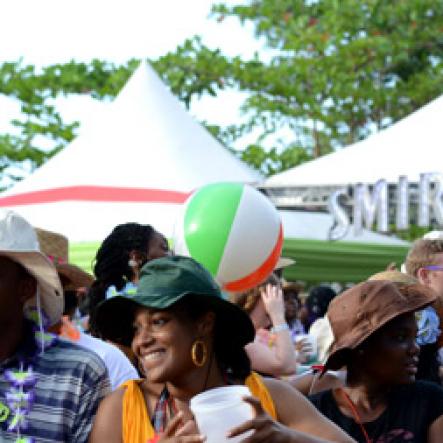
(199, 362)
(132, 263)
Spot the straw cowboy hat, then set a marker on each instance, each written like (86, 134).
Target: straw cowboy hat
(56, 247)
(18, 242)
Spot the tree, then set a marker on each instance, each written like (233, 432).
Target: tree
(34, 90)
(335, 71)
(341, 67)
(339, 70)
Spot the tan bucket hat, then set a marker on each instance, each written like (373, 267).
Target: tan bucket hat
(56, 247)
(18, 241)
(284, 262)
(394, 276)
(366, 307)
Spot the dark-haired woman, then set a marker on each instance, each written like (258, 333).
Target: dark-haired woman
(189, 339)
(117, 266)
(375, 333)
(428, 323)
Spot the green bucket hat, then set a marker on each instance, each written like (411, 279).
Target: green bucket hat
(165, 281)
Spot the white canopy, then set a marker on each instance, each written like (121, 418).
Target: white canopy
(412, 146)
(137, 162)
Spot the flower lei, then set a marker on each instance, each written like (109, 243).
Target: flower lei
(129, 291)
(20, 396)
(428, 326)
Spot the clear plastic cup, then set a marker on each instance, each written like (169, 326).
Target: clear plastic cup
(311, 343)
(218, 410)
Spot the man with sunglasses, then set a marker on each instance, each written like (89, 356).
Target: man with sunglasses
(425, 262)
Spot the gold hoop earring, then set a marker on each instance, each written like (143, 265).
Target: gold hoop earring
(204, 353)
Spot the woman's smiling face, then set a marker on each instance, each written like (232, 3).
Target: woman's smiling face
(162, 343)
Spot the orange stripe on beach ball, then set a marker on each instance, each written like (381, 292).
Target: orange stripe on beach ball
(260, 274)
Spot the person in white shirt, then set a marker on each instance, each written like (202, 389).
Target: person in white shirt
(119, 368)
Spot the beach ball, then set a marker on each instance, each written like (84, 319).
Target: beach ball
(234, 231)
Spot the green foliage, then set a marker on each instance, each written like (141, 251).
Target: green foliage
(335, 71)
(193, 70)
(413, 233)
(341, 67)
(34, 90)
(271, 161)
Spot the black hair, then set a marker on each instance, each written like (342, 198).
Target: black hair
(71, 302)
(111, 266)
(229, 353)
(319, 298)
(428, 363)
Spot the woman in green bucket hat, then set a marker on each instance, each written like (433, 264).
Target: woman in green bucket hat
(189, 339)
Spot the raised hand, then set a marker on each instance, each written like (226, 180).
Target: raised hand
(272, 297)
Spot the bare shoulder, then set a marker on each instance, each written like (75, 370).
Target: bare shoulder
(289, 403)
(113, 401)
(108, 421)
(280, 389)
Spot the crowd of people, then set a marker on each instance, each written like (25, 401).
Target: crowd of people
(118, 356)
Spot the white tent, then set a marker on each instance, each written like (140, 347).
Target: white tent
(412, 146)
(137, 162)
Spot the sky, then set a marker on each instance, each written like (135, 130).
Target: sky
(49, 31)
(43, 32)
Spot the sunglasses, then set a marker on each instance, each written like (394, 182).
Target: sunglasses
(433, 267)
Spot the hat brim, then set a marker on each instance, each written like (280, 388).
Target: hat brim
(120, 309)
(51, 292)
(291, 286)
(75, 276)
(236, 323)
(284, 262)
(419, 297)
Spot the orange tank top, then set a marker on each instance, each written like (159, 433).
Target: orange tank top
(136, 425)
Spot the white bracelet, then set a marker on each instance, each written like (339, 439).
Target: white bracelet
(280, 327)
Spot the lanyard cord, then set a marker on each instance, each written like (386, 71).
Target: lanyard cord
(355, 414)
(167, 403)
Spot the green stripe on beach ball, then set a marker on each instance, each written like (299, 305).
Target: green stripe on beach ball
(208, 221)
